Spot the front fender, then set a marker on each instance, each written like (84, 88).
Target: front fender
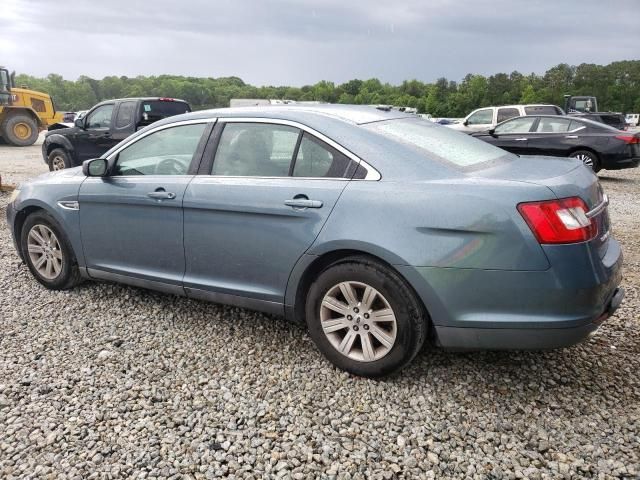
(68, 219)
(55, 140)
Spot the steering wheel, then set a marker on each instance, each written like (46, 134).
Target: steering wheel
(171, 166)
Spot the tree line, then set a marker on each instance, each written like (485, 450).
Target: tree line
(616, 85)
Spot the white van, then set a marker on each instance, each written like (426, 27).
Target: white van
(488, 117)
(633, 119)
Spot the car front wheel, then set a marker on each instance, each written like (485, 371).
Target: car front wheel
(48, 253)
(364, 317)
(58, 159)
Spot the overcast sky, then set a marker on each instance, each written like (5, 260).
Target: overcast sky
(297, 42)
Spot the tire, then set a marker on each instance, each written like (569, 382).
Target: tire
(589, 158)
(20, 130)
(402, 338)
(68, 275)
(58, 159)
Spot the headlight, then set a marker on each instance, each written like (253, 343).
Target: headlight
(14, 195)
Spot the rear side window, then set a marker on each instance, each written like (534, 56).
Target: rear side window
(317, 159)
(507, 113)
(553, 125)
(542, 110)
(439, 142)
(126, 112)
(255, 150)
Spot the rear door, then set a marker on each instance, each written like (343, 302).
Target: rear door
(266, 189)
(556, 136)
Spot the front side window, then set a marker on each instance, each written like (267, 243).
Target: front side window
(481, 117)
(100, 117)
(165, 152)
(507, 113)
(125, 115)
(255, 150)
(438, 142)
(517, 125)
(553, 125)
(317, 159)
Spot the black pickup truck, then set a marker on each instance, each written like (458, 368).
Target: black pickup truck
(105, 125)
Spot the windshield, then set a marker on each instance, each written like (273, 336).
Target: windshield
(439, 142)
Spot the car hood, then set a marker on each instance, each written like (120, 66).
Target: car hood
(59, 176)
(60, 129)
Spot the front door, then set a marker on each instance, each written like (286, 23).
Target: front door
(95, 139)
(513, 135)
(131, 221)
(259, 207)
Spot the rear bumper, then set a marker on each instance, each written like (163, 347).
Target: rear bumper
(502, 309)
(524, 338)
(616, 163)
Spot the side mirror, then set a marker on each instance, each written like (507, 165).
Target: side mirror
(466, 123)
(79, 122)
(491, 131)
(96, 167)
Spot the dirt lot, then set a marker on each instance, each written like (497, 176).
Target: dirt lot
(108, 381)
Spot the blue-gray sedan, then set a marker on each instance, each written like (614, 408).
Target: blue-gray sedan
(380, 230)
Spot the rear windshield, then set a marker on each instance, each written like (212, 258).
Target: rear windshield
(542, 110)
(153, 110)
(439, 142)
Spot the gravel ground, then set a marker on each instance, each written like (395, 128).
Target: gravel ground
(107, 381)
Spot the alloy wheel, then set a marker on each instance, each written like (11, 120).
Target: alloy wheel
(57, 163)
(44, 251)
(358, 321)
(586, 159)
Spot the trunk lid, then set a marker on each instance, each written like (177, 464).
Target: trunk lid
(564, 177)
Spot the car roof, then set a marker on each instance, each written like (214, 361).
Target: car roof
(144, 99)
(353, 114)
(569, 117)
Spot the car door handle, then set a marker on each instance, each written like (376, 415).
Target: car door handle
(521, 139)
(571, 136)
(303, 203)
(161, 195)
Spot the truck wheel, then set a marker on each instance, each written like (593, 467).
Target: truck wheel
(20, 130)
(58, 159)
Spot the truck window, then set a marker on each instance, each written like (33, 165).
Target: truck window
(154, 110)
(100, 117)
(507, 113)
(481, 117)
(126, 112)
(542, 110)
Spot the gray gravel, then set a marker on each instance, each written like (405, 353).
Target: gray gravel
(108, 381)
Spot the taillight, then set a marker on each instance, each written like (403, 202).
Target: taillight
(559, 221)
(166, 99)
(629, 139)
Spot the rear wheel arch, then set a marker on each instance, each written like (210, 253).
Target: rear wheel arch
(336, 257)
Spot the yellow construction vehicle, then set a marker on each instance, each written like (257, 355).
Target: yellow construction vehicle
(23, 112)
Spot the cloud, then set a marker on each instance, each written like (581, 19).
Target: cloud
(295, 42)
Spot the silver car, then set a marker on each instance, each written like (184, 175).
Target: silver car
(382, 231)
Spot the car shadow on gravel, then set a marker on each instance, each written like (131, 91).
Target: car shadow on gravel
(616, 179)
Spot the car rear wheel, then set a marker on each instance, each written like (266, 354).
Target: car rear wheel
(48, 253)
(58, 159)
(587, 157)
(365, 318)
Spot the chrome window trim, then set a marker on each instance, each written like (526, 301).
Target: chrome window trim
(126, 143)
(372, 173)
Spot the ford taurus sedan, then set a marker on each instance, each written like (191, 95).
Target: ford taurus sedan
(380, 230)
